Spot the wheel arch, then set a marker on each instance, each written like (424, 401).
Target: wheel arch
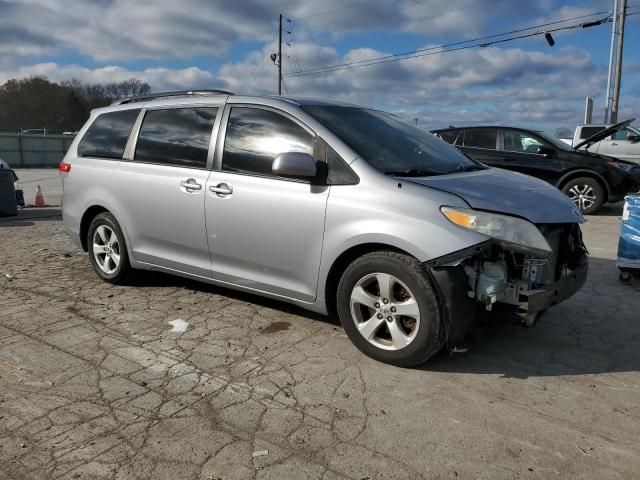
(88, 215)
(343, 260)
(585, 173)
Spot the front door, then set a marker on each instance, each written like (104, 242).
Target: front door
(520, 153)
(265, 232)
(162, 189)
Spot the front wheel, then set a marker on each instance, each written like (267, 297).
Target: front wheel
(586, 193)
(107, 249)
(389, 310)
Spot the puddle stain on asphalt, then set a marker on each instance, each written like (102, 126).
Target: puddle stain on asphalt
(275, 327)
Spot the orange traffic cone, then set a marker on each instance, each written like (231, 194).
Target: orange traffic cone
(39, 197)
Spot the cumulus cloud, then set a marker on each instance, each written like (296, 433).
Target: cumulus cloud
(159, 78)
(484, 84)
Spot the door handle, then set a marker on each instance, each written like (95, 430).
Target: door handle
(614, 143)
(222, 189)
(507, 159)
(191, 184)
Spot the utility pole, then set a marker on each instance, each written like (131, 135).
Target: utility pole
(280, 58)
(611, 50)
(615, 104)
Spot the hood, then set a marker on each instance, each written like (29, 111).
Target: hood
(602, 134)
(507, 192)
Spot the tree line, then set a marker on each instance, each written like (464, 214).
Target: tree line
(37, 103)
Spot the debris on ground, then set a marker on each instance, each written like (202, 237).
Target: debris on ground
(179, 325)
(260, 453)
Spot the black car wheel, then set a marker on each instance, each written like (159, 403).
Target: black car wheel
(586, 193)
(389, 309)
(107, 249)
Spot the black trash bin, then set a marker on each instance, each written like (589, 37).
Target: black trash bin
(8, 205)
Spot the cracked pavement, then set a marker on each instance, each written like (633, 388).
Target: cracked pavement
(94, 385)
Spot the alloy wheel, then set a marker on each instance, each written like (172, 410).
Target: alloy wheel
(106, 249)
(385, 311)
(583, 196)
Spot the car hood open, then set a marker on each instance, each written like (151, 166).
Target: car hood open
(502, 191)
(602, 134)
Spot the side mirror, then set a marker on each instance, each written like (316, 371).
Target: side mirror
(633, 138)
(547, 152)
(294, 164)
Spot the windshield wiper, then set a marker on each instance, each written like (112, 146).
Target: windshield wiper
(411, 172)
(467, 168)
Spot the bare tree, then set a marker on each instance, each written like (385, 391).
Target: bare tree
(38, 103)
(564, 132)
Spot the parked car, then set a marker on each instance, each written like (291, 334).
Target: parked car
(587, 178)
(623, 143)
(329, 206)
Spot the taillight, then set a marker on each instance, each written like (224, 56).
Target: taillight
(64, 167)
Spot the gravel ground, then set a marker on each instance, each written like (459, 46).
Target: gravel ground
(93, 384)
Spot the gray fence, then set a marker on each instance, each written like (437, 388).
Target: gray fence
(33, 151)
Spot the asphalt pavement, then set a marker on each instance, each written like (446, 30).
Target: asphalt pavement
(94, 384)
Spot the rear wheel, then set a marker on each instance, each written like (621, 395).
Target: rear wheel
(586, 193)
(389, 309)
(107, 249)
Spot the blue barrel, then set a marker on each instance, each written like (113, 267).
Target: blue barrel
(629, 243)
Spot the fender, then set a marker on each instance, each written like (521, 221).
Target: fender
(589, 173)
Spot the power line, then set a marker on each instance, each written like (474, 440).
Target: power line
(334, 10)
(320, 25)
(296, 58)
(461, 45)
(363, 21)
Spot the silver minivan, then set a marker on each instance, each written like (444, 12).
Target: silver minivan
(330, 206)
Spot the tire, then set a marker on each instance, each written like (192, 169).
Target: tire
(625, 276)
(586, 193)
(403, 340)
(107, 249)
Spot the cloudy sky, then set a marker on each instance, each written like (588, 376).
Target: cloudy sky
(226, 44)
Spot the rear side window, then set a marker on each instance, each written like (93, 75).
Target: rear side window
(481, 138)
(255, 137)
(176, 136)
(587, 132)
(108, 134)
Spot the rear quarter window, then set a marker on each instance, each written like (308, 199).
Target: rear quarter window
(108, 134)
(589, 132)
(448, 136)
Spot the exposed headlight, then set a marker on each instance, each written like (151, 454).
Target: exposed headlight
(511, 232)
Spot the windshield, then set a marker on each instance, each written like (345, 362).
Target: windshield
(391, 145)
(556, 142)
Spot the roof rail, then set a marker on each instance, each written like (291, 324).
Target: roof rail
(179, 93)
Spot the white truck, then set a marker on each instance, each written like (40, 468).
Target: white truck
(622, 142)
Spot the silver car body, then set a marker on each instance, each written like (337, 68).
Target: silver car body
(270, 236)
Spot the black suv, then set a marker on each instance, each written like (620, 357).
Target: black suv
(587, 178)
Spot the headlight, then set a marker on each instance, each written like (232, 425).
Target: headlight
(622, 166)
(511, 232)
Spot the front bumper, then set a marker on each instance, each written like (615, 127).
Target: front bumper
(539, 300)
(460, 311)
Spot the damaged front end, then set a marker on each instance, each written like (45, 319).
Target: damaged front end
(524, 281)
